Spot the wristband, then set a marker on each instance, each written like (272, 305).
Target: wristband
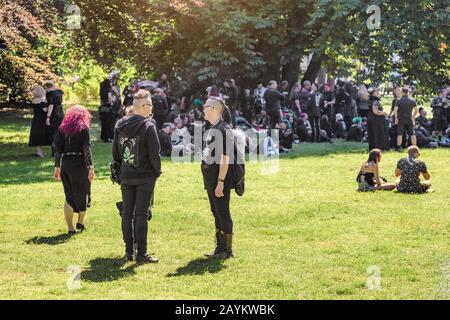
(221, 180)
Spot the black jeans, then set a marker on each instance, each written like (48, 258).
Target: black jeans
(220, 208)
(274, 119)
(315, 126)
(136, 202)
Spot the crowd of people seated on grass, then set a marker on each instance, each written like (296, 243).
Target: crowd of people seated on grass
(303, 112)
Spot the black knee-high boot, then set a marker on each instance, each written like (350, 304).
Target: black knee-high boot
(227, 252)
(220, 244)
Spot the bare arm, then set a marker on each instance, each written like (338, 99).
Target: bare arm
(398, 173)
(396, 114)
(377, 112)
(415, 114)
(377, 175)
(426, 175)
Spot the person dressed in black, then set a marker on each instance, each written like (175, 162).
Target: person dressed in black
(217, 176)
(232, 97)
(247, 105)
(355, 132)
(439, 115)
(136, 148)
(165, 139)
(330, 100)
(128, 93)
(315, 105)
(409, 171)
(405, 114)
(286, 136)
(340, 128)
(377, 129)
(116, 97)
(73, 164)
(39, 136)
(160, 107)
(369, 175)
(55, 113)
(273, 99)
(343, 102)
(106, 112)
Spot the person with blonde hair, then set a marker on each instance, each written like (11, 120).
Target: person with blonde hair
(39, 135)
(136, 150)
(217, 174)
(363, 101)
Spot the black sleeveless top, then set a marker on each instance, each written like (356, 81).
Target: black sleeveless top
(367, 176)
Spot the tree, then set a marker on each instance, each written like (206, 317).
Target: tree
(412, 40)
(26, 39)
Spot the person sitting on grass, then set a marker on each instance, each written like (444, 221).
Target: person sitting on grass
(286, 136)
(409, 170)
(369, 178)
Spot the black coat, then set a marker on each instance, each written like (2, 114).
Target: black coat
(136, 147)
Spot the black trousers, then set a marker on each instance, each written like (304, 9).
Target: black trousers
(274, 119)
(136, 203)
(315, 126)
(160, 120)
(108, 121)
(220, 208)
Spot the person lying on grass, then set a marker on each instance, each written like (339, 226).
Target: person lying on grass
(369, 178)
(409, 170)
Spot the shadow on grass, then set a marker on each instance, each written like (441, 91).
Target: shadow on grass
(199, 266)
(324, 148)
(107, 269)
(54, 240)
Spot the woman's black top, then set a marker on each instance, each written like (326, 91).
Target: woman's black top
(70, 146)
(39, 135)
(219, 141)
(375, 102)
(54, 97)
(368, 177)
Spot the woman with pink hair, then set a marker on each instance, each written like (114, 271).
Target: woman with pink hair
(73, 164)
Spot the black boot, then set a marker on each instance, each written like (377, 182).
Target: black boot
(220, 244)
(129, 252)
(228, 250)
(146, 259)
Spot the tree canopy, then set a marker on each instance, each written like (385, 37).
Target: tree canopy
(200, 41)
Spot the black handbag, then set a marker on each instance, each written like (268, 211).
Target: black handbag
(105, 109)
(115, 172)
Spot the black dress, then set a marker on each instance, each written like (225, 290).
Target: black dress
(39, 135)
(377, 129)
(54, 97)
(73, 156)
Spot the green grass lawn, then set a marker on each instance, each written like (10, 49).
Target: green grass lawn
(302, 233)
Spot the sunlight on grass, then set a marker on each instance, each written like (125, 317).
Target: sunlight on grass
(302, 233)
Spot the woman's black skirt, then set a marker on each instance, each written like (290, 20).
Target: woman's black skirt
(378, 134)
(39, 134)
(74, 176)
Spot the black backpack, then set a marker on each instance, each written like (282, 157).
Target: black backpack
(238, 166)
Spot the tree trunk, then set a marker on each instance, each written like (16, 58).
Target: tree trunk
(313, 68)
(291, 71)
